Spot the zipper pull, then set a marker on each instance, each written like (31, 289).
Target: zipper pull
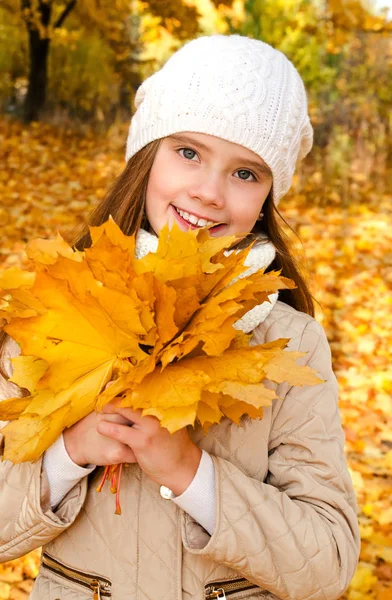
(95, 586)
(216, 594)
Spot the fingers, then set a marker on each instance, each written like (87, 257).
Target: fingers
(115, 453)
(113, 417)
(148, 424)
(121, 433)
(119, 453)
(110, 407)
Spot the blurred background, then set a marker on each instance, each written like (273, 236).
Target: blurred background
(68, 76)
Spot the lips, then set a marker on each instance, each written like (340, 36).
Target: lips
(200, 221)
(193, 219)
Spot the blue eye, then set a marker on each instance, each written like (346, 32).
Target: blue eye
(187, 153)
(244, 175)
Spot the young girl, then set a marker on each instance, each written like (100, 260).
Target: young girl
(265, 510)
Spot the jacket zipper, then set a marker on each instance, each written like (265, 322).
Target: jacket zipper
(101, 587)
(221, 589)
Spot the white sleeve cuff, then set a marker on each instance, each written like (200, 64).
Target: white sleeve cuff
(199, 499)
(63, 474)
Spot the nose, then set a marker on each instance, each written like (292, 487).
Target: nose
(208, 189)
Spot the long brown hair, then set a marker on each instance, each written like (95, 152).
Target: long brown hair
(125, 202)
(299, 298)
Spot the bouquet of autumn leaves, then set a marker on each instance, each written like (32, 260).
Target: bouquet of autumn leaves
(159, 328)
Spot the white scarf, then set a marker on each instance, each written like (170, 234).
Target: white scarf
(259, 257)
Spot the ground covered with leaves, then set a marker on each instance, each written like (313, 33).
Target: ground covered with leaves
(50, 177)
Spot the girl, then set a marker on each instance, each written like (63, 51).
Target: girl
(266, 510)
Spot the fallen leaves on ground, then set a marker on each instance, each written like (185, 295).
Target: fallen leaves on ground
(17, 576)
(348, 254)
(51, 176)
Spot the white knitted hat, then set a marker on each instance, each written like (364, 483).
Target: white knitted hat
(232, 87)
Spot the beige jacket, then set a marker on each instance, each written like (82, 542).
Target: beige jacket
(286, 524)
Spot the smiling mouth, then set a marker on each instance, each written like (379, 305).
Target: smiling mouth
(194, 220)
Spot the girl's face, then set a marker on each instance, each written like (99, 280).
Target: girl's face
(198, 180)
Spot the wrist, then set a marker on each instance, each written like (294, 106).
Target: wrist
(183, 476)
(71, 448)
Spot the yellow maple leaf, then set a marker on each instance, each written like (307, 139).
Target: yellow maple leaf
(230, 384)
(13, 278)
(283, 367)
(159, 327)
(12, 408)
(48, 251)
(27, 371)
(48, 414)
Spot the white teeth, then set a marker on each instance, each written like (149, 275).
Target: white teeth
(193, 219)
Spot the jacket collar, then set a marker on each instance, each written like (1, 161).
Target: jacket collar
(260, 256)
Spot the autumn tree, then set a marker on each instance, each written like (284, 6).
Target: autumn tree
(297, 28)
(112, 20)
(342, 51)
(40, 17)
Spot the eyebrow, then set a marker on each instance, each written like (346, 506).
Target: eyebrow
(262, 168)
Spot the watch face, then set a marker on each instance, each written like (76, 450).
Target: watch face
(166, 493)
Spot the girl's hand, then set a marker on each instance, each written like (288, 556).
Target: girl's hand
(86, 446)
(168, 459)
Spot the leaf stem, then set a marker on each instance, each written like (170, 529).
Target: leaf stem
(113, 487)
(104, 477)
(118, 507)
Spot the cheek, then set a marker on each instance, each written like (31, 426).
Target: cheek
(248, 210)
(154, 195)
(245, 207)
(162, 187)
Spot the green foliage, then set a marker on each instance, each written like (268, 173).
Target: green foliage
(12, 54)
(344, 57)
(296, 28)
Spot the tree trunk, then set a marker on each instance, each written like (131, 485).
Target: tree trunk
(38, 78)
(39, 52)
